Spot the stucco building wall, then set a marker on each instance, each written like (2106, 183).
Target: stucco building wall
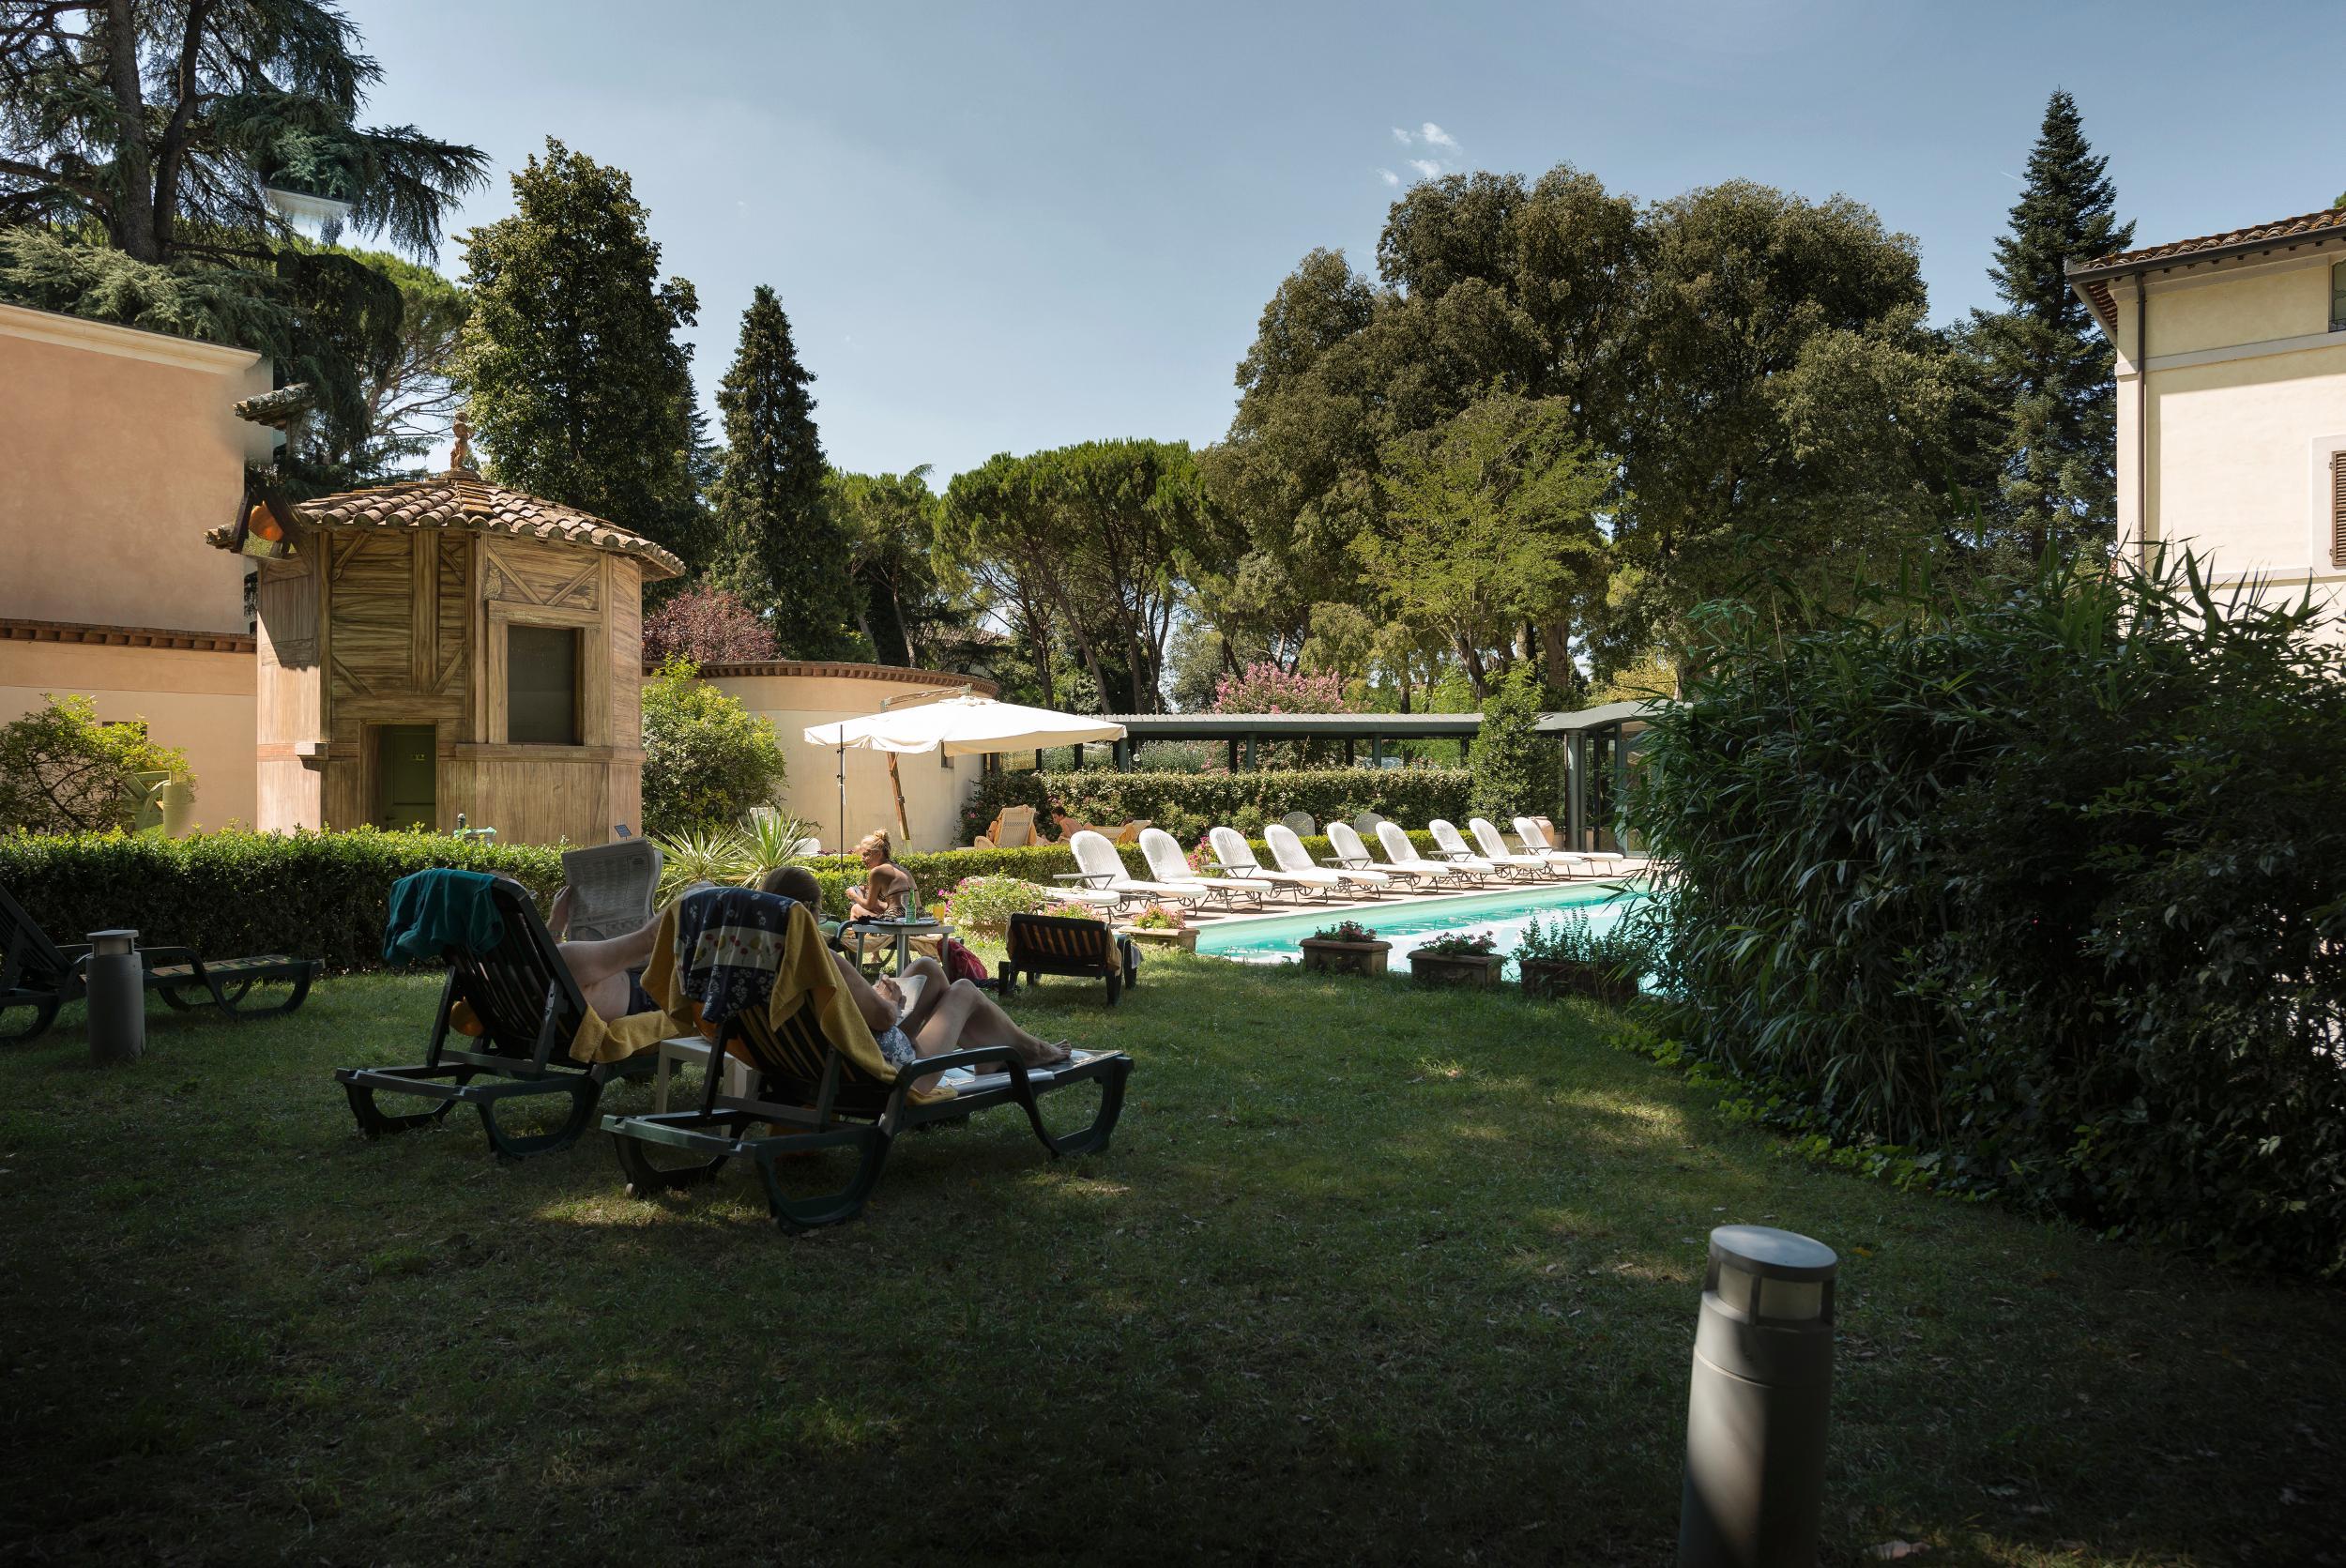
(794, 695)
(2232, 398)
(117, 449)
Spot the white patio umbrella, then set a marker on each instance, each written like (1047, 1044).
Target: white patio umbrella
(964, 725)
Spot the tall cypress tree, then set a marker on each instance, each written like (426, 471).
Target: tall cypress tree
(777, 539)
(578, 386)
(2046, 372)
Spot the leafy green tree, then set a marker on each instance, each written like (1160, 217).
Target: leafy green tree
(1091, 543)
(410, 398)
(577, 384)
(777, 539)
(2045, 370)
(905, 594)
(1791, 415)
(160, 124)
(708, 760)
(1516, 769)
(1491, 526)
(64, 771)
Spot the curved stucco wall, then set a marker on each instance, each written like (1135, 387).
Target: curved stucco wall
(934, 789)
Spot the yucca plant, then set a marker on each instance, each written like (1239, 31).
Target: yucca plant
(718, 855)
(771, 839)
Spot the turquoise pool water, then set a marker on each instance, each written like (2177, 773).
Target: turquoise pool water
(1503, 914)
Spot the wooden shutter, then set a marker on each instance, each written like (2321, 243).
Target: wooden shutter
(2338, 508)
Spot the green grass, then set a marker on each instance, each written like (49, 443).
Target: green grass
(1369, 1276)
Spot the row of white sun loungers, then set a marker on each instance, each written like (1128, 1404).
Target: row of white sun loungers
(1101, 880)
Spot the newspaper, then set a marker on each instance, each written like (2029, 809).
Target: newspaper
(611, 886)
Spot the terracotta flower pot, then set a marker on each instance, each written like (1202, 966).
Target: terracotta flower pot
(1328, 956)
(1479, 971)
(1185, 939)
(1555, 976)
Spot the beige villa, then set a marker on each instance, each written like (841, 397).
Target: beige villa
(2232, 398)
(432, 648)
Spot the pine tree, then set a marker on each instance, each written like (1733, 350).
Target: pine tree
(2048, 374)
(579, 387)
(777, 539)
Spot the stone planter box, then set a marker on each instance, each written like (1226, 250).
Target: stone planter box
(1328, 956)
(1185, 939)
(1549, 977)
(1479, 973)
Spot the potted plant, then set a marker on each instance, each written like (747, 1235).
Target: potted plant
(1163, 925)
(1569, 958)
(1458, 958)
(1346, 948)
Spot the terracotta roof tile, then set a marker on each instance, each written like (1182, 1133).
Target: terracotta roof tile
(2306, 225)
(462, 500)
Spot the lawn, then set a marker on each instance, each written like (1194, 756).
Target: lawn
(1368, 1275)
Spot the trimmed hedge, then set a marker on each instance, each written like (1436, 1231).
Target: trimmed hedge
(1186, 804)
(326, 895)
(312, 896)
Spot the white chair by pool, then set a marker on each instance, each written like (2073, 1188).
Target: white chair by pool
(1236, 857)
(1605, 862)
(1450, 847)
(1402, 856)
(1287, 852)
(1493, 843)
(1350, 854)
(1103, 870)
(1167, 864)
(1571, 862)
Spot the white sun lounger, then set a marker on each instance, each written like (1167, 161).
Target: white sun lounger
(1351, 854)
(1601, 862)
(1402, 857)
(1167, 864)
(1236, 857)
(1493, 843)
(1571, 862)
(1288, 850)
(1453, 848)
(1099, 865)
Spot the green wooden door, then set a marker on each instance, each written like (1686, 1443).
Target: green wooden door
(404, 770)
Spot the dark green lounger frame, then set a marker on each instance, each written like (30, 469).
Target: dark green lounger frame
(529, 1007)
(799, 1079)
(42, 975)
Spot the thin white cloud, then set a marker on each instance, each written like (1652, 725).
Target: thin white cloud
(1435, 136)
(1427, 167)
(1389, 176)
(1401, 136)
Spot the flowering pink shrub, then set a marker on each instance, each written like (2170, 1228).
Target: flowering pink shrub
(1264, 688)
(708, 625)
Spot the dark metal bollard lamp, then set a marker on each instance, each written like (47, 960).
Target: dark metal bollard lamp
(1756, 1413)
(114, 978)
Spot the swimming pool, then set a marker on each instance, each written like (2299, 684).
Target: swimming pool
(1504, 913)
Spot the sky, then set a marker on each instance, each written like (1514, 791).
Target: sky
(1006, 227)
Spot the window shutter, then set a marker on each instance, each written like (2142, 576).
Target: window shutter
(2338, 508)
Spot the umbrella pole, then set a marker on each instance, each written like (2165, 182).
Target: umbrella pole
(841, 848)
(903, 828)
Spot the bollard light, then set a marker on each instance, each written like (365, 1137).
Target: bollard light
(115, 979)
(1756, 1412)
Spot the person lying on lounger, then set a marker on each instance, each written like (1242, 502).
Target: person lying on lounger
(610, 972)
(946, 1015)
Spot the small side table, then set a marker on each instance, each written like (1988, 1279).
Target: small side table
(693, 1050)
(903, 930)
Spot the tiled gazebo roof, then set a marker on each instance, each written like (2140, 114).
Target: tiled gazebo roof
(462, 500)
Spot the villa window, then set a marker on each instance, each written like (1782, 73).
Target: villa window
(542, 685)
(2338, 298)
(2338, 508)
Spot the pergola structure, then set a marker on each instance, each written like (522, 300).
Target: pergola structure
(1600, 745)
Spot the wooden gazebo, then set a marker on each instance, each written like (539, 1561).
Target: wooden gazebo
(447, 647)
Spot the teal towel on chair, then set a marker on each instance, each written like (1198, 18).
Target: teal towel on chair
(434, 910)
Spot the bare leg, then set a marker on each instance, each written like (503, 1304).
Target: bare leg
(600, 967)
(966, 1019)
(932, 991)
